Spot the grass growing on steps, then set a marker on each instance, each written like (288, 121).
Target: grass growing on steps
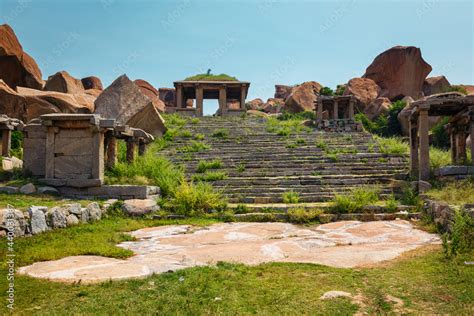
(209, 176)
(203, 165)
(355, 201)
(291, 197)
(286, 127)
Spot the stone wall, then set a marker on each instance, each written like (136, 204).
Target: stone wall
(443, 214)
(38, 219)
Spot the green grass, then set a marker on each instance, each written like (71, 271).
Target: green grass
(287, 127)
(303, 216)
(22, 201)
(203, 165)
(424, 280)
(194, 147)
(210, 77)
(355, 201)
(458, 192)
(221, 133)
(209, 176)
(240, 167)
(392, 145)
(291, 197)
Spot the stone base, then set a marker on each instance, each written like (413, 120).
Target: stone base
(187, 111)
(77, 183)
(232, 112)
(341, 125)
(121, 192)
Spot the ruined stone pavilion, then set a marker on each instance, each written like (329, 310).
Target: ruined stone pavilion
(224, 91)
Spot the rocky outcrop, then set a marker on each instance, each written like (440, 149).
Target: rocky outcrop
(92, 82)
(364, 90)
(11, 104)
(469, 89)
(63, 82)
(273, 105)
(44, 102)
(377, 107)
(282, 91)
(167, 95)
(399, 71)
(255, 104)
(124, 102)
(17, 68)
(151, 93)
(434, 85)
(303, 97)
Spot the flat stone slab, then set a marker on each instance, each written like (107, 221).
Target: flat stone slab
(345, 244)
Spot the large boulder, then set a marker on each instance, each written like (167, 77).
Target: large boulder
(11, 103)
(364, 90)
(92, 82)
(469, 88)
(123, 100)
(168, 96)
(273, 106)
(63, 82)
(13, 220)
(399, 71)
(151, 93)
(377, 107)
(17, 68)
(282, 91)
(44, 102)
(434, 85)
(255, 104)
(303, 97)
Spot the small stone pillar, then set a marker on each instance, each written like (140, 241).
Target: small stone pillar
(141, 147)
(179, 97)
(414, 144)
(223, 100)
(6, 141)
(424, 159)
(199, 101)
(351, 109)
(461, 155)
(111, 152)
(471, 131)
(336, 110)
(131, 146)
(319, 109)
(242, 97)
(452, 143)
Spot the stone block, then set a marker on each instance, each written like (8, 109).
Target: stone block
(9, 190)
(452, 170)
(13, 219)
(73, 146)
(73, 167)
(37, 219)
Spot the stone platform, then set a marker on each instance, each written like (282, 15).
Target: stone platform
(346, 244)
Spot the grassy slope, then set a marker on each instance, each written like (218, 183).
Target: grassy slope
(424, 280)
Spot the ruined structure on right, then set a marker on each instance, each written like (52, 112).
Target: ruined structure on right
(460, 110)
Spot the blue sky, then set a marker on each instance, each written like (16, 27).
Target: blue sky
(265, 42)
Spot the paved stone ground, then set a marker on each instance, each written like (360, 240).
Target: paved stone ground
(159, 249)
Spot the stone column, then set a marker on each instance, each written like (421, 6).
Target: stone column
(351, 109)
(6, 142)
(472, 140)
(461, 145)
(319, 110)
(141, 147)
(49, 152)
(130, 149)
(199, 101)
(335, 110)
(423, 125)
(242, 97)
(223, 100)
(111, 152)
(414, 142)
(452, 143)
(179, 96)
(98, 155)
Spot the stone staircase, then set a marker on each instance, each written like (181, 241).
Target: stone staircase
(261, 166)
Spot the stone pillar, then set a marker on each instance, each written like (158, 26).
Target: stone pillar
(6, 142)
(179, 97)
(461, 155)
(49, 152)
(98, 156)
(111, 152)
(141, 147)
(472, 139)
(423, 125)
(351, 109)
(335, 110)
(223, 100)
(414, 143)
(242, 97)
(130, 149)
(319, 109)
(452, 143)
(199, 101)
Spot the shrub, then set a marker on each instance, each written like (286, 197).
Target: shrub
(439, 158)
(291, 197)
(300, 116)
(195, 199)
(392, 145)
(303, 216)
(385, 125)
(186, 133)
(355, 201)
(333, 157)
(17, 144)
(241, 209)
(440, 136)
(240, 167)
(196, 146)
(456, 193)
(391, 204)
(461, 237)
(340, 89)
(321, 144)
(220, 133)
(210, 176)
(203, 165)
(199, 136)
(410, 197)
(326, 91)
(456, 88)
(195, 120)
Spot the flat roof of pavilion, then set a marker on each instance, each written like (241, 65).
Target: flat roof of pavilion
(212, 82)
